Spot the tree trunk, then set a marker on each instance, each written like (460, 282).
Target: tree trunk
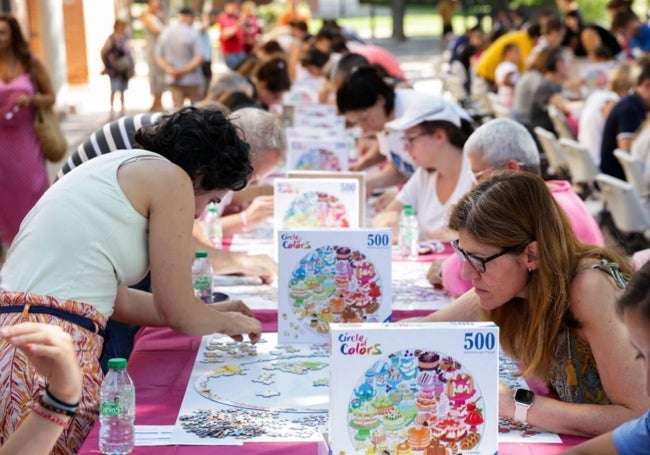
(399, 9)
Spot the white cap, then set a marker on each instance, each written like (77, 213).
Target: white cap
(428, 108)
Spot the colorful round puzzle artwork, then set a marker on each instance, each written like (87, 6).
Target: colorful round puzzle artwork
(334, 284)
(318, 160)
(420, 400)
(316, 209)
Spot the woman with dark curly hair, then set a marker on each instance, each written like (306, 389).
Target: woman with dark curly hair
(98, 230)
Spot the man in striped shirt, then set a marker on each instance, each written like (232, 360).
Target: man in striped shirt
(262, 131)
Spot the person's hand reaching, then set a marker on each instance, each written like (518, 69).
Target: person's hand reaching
(51, 351)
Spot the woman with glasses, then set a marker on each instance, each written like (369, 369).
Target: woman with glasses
(553, 299)
(433, 133)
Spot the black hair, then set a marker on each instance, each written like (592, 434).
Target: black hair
(457, 136)
(237, 100)
(300, 25)
(637, 293)
(346, 64)
(554, 55)
(313, 56)
(622, 18)
(18, 42)
(271, 47)
(362, 88)
(553, 25)
(204, 144)
(338, 44)
(274, 73)
(534, 30)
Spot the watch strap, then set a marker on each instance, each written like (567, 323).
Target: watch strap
(521, 412)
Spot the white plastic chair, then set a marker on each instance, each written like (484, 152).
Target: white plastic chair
(454, 80)
(498, 109)
(622, 201)
(552, 149)
(633, 170)
(580, 162)
(560, 123)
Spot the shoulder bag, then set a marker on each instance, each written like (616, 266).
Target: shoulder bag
(50, 136)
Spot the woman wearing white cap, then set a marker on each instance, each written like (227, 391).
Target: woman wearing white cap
(434, 132)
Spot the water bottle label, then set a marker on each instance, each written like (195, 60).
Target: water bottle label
(111, 409)
(202, 282)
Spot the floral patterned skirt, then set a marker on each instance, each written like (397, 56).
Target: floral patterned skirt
(21, 385)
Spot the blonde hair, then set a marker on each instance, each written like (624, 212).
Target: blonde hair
(510, 210)
(621, 78)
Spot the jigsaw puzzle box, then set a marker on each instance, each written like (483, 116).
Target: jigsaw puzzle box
(414, 388)
(331, 275)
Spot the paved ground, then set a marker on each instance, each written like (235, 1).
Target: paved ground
(87, 106)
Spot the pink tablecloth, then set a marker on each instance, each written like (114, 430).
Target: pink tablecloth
(160, 366)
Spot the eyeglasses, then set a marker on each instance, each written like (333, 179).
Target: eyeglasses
(410, 139)
(480, 175)
(476, 262)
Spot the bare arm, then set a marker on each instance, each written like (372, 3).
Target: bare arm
(369, 154)
(624, 142)
(44, 95)
(464, 308)
(164, 192)
(388, 176)
(51, 351)
(152, 24)
(389, 217)
(601, 445)
(259, 210)
(229, 32)
(225, 262)
(592, 301)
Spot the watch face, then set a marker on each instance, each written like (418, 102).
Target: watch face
(524, 396)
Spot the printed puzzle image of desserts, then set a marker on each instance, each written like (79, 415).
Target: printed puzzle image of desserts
(318, 159)
(416, 401)
(316, 209)
(334, 284)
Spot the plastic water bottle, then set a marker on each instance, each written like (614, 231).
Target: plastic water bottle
(117, 410)
(202, 276)
(408, 233)
(212, 227)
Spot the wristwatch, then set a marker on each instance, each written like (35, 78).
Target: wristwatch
(523, 400)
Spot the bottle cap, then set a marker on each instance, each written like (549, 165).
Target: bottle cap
(409, 210)
(212, 208)
(117, 363)
(201, 254)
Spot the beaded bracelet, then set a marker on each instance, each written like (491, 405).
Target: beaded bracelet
(59, 402)
(54, 407)
(50, 417)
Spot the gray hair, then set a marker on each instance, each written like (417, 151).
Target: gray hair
(263, 131)
(501, 140)
(229, 82)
